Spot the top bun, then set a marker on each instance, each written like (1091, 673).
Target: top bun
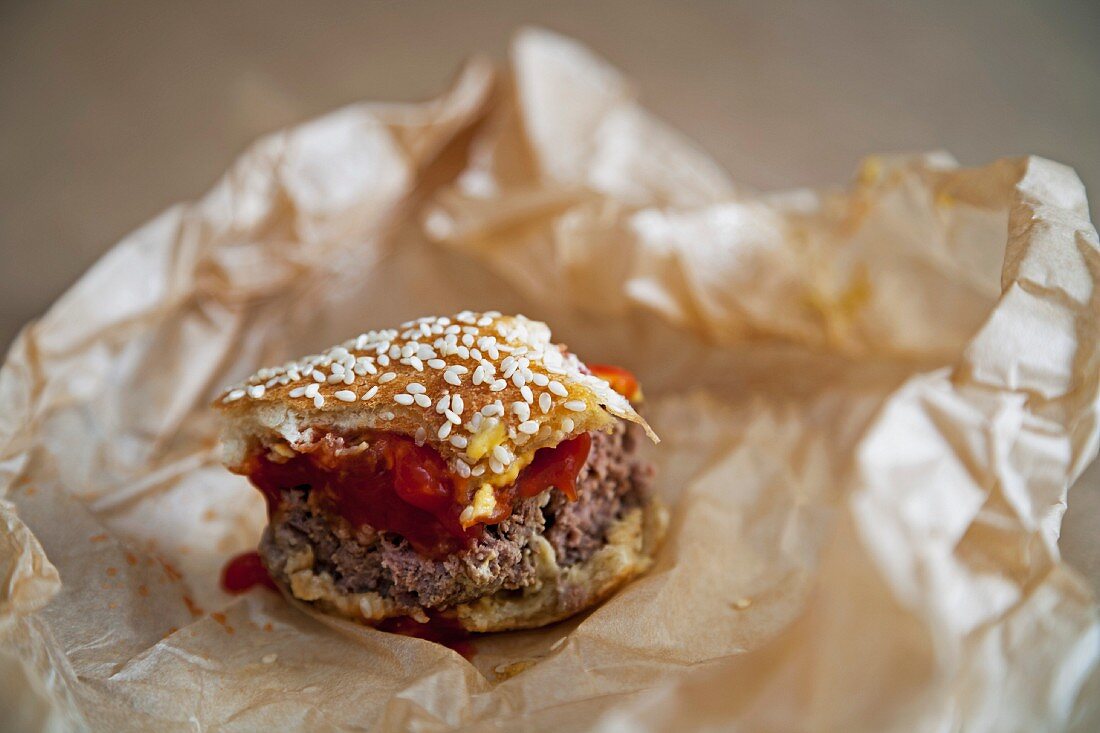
(485, 390)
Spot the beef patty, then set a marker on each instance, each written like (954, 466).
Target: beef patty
(613, 480)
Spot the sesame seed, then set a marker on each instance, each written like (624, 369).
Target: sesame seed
(318, 401)
(384, 360)
(420, 435)
(256, 392)
(387, 416)
(461, 467)
(467, 340)
(369, 393)
(416, 364)
(458, 369)
(403, 399)
(443, 403)
(423, 400)
(545, 401)
(462, 351)
(529, 427)
(459, 441)
(317, 376)
(489, 410)
(567, 424)
(444, 431)
(498, 385)
(484, 321)
(518, 379)
(477, 470)
(528, 396)
(479, 375)
(576, 405)
(452, 378)
(415, 388)
(453, 417)
(436, 363)
(297, 392)
(558, 388)
(334, 378)
(540, 379)
(496, 466)
(234, 395)
(457, 404)
(313, 390)
(522, 410)
(388, 376)
(501, 454)
(345, 395)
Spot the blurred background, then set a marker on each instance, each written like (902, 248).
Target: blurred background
(110, 112)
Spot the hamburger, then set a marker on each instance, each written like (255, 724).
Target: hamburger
(463, 468)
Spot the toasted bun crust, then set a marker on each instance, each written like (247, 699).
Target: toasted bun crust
(560, 593)
(465, 385)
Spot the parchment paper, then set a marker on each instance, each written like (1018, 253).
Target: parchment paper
(872, 402)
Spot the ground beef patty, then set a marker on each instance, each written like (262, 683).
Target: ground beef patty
(613, 480)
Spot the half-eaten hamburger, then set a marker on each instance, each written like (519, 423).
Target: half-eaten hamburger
(464, 468)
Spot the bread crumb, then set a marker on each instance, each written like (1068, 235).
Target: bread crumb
(742, 603)
(269, 658)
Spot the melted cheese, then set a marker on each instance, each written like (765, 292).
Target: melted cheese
(483, 442)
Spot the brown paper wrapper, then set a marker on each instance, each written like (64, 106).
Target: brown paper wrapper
(872, 402)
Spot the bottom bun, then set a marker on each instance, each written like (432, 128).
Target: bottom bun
(557, 594)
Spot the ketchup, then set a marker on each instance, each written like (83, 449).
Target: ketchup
(440, 629)
(621, 380)
(557, 467)
(244, 572)
(394, 485)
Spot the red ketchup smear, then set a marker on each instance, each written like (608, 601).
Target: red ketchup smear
(396, 486)
(245, 572)
(440, 629)
(621, 380)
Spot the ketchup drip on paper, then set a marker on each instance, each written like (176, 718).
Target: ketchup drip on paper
(244, 572)
(440, 629)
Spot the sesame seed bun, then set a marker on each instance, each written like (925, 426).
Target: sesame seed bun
(359, 386)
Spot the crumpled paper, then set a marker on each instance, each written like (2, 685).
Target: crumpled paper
(872, 403)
